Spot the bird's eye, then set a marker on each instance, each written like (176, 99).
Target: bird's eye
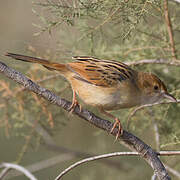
(156, 87)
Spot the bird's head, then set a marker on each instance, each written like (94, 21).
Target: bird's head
(152, 89)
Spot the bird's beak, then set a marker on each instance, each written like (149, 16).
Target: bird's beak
(170, 97)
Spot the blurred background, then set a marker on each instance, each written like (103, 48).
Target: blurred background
(45, 138)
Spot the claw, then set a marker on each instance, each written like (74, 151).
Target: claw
(73, 106)
(74, 103)
(120, 129)
(116, 123)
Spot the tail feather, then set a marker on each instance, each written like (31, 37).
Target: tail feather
(47, 64)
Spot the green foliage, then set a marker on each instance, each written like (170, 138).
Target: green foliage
(125, 31)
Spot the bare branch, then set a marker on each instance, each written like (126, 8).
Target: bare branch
(69, 154)
(8, 166)
(148, 105)
(169, 28)
(154, 61)
(43, 164)
(177, 1)
(128, 139)
(162, 153)
(168, 153)
(4, 172)
(157, 138)
(40, 81)
(143, 48)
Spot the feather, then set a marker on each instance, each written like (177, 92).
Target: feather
(100, 72)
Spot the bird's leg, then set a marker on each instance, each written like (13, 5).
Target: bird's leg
(116, 123)
(74, 103)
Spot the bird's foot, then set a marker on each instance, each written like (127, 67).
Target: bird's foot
(117, 123)
(73, 106)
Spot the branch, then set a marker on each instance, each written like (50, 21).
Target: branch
(143, 48)
(8, 166)
(40, 81)
(157, 137)
(162, 153)
(154, 177)
(169, 28)
(154, 61)
(172, 171)
(148, 105)
(4, 172)
(62, 158)
(177, 1)
(128, 139)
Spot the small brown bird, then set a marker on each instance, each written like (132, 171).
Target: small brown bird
(108, 85)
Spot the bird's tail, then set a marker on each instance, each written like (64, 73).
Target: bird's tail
(47, 64)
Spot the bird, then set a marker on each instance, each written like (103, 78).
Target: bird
(106, 84)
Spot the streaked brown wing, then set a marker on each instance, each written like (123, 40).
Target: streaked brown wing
(100, 72)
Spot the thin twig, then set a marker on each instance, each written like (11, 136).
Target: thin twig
(148, 105)
(143, 48)
(18, 168)
(168, 153)
(169, 28)
(161, 153)
(154, 61)
(4, 172)
(41, 165)
(106, 20)
(177, 1)
(156, 131)
(157, 139)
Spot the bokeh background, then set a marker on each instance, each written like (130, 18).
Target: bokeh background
(47, 139)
